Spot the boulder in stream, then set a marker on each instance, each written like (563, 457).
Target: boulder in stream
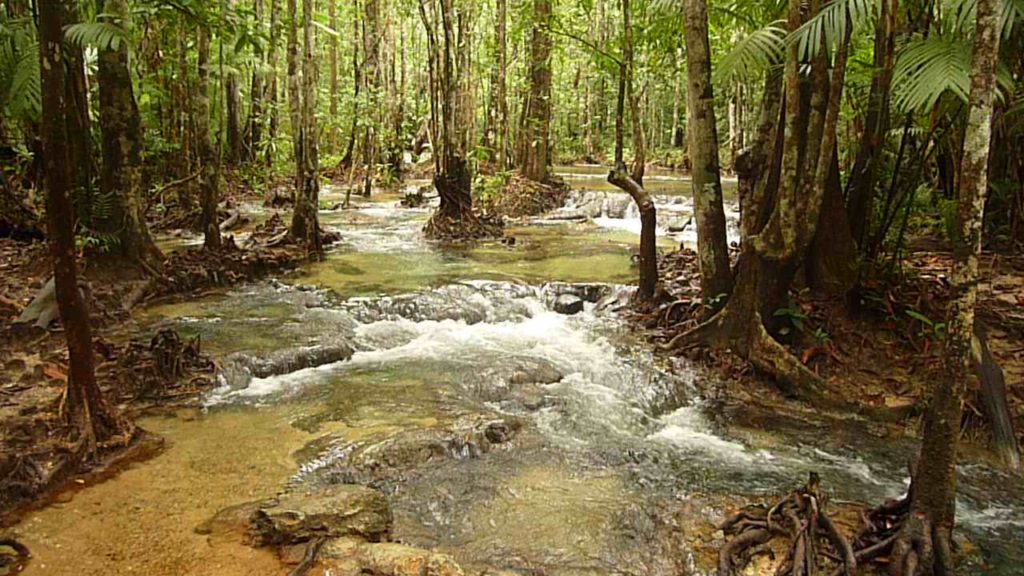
(330, 511)
(568, 304)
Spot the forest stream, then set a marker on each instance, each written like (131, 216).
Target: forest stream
(610, 460)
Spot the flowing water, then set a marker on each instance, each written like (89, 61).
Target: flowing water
(619, 463)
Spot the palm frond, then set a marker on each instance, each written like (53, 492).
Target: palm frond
(753, 54)
(830, 24)
(102, 35)
(928, 68)
(23, 97)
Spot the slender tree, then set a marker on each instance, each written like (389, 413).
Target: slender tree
(924, 543)
(712, 244)
(84, 407)
(621, 177)
(209, 180)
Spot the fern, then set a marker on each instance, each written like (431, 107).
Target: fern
(24, 95)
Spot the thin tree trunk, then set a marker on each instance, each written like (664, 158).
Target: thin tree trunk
(933, 506)
(621, 178)
(712, 243)
(85, 407)
(254, 134)
(332, 139)
(861, 187)
(272, 91)
(210, 177)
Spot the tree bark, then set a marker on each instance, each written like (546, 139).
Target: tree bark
(121, 177)
(254, 133)
(621, 178)
(861, 186)
(333, 137)
(935, 483)
(85, 407)
(305, 220)
(712, 243)
(536, 129)
(210, 171)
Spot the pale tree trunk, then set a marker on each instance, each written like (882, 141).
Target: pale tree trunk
(272, 121)
(209, 180)
(621, 178)
(447, 25)
(925, 540)
(371, 74)
(712, 243)
(332, 139)
(536, 127)
(84, 407)
(233, 106)
(254, 134)
(121, 176)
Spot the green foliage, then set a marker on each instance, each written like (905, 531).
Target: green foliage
(101, 35)
(753, 54)
(489, 188)
(20, 94)
(795, 316)
(831, 24)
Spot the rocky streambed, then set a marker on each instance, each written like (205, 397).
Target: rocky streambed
(405, 408)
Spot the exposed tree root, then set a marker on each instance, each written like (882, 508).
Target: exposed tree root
(465, 226)
(751, 341)
(904, 542)
(309, 558)
(801, 518)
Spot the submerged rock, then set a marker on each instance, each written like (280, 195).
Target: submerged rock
(347, 557)
(377, 462)
(331, 511)
(568, 304)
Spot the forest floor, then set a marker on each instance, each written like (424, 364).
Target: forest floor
(881, 356)
(137, 376)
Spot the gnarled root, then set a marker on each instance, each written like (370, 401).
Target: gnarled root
(906, 542)
(801, 518)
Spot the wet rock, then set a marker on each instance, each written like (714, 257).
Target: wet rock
(374, 463)
(350, 558)
(568, 304)
(331, 511)
(239, 369)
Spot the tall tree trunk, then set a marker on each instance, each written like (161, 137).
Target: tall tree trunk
(712, 243)
(781, 194)
(121, 176)
(371, 72)
(925, 539)
(80, 147)
(861, 186)
(272, 91)
(209, 180)
(357, 82)
(332, 139)
(621, 178)
(84, 406)
(254, 133)
(305, 223)
(537, 119)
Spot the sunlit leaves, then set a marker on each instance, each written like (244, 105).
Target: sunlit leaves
(831, 24)
(101, 35)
